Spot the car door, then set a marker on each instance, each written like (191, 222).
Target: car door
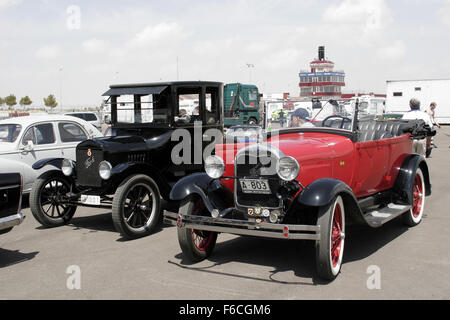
(70, 135)
(43, 145)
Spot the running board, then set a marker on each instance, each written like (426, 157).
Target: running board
(381, 216)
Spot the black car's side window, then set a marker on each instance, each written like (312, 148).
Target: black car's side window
(70, 132)
(212, 106)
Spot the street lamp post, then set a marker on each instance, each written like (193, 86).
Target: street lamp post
(60, 89)
(250, 66)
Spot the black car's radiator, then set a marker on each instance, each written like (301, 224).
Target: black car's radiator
(88, 161)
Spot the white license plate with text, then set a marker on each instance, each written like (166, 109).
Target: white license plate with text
(90, 200)
(258, 186)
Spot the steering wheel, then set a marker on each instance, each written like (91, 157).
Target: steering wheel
(344, 120)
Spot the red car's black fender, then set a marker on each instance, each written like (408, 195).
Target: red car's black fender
(403, 186)
(56, 162)
(214, 194)
(322, 192)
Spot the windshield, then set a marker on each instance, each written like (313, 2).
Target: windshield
(9, 132)
(332, 115)
(150, 108)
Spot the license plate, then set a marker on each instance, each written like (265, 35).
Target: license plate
(90, 200)
(255, 186)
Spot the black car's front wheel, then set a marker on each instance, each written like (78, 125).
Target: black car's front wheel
(330, 247)
(48, 200)
(196, 245)
(136, 207)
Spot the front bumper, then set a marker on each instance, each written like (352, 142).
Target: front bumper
(242, 227)
(11, 221)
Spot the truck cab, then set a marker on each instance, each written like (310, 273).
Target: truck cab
(241, 104)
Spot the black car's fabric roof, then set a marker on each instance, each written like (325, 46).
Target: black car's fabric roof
(134, 90)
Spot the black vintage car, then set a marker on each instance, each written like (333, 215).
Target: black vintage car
(132, 169)
(10, 201)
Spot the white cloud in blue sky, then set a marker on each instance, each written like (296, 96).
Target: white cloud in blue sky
(139, 41)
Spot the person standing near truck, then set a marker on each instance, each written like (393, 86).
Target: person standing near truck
(431, 113)
(282, 118)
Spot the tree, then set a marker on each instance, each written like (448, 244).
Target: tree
(50, 101)
(11, 100)
(25, 101)
(2, 102)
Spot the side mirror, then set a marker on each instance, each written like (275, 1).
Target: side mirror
(29, 146)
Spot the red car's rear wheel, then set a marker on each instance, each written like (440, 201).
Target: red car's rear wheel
(330, 247)
(414, 216)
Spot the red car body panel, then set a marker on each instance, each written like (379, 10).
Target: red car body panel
(367, 167)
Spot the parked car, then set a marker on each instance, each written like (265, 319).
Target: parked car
(305, 183)
(10, 201)
(90, 117)
(130, 170)
(25, 140)
(243, 133)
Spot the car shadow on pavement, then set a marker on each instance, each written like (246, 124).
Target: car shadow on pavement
(12, 257)
(293, 256)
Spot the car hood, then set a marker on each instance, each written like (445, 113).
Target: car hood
(312, 146)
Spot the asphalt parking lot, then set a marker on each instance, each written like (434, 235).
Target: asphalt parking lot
(411, 263)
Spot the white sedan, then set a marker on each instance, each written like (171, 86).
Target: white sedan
(25, 140)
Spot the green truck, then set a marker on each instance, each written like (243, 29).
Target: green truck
(241, 104)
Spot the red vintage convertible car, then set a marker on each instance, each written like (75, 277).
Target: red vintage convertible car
(305, 183)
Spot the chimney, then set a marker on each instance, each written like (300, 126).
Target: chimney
(321, 53)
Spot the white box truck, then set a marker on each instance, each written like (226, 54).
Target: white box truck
(399, 92)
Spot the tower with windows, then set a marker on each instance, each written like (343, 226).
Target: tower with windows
(321, 81)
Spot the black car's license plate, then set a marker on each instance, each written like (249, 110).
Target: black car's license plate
(258, 186)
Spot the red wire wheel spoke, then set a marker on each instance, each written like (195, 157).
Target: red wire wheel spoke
(336, 239)
(417, 196)
(201, 239)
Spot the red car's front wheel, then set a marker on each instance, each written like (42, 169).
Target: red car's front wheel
(196, 245)
(330, 247)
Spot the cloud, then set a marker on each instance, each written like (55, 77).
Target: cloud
(152, 35)
(95, 46)
(444, 13)
(9, 3)
(395, 51)
(365, 19)
(48, 52)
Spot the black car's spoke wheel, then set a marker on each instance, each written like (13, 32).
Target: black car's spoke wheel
(330, 247)
(196, 245)
(48, 200)
(136, 207)
(414, 216)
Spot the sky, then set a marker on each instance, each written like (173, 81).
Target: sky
(76, 49)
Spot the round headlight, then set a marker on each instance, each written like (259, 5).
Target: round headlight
(214, 167)
(104, 170)
(67, 167)
(288, 168)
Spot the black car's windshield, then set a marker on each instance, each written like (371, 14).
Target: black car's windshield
(149, 108)
(9, 132)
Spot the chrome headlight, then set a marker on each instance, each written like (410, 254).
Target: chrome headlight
(288, 168)
(104, 170)
(67, 167)
(214, 167)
